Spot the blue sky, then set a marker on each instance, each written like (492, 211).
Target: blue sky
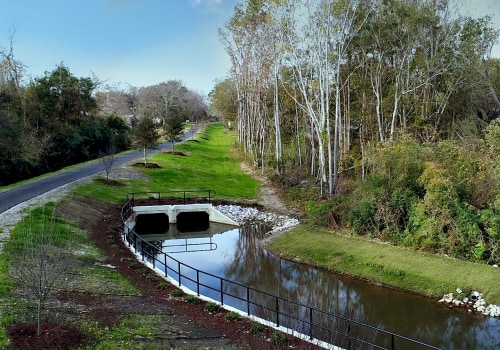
(136, 42)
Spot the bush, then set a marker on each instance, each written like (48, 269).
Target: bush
(212, 306)
(176, 293)
(162, 286)
(277, 338)
(151, 278)
(256, 328)
(192, 299)
(361, 217)
(322, 213)
(231, 316)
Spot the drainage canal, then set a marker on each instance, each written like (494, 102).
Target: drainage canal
(235, 254)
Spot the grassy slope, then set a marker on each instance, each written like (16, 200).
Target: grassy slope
(211, 164)
(208, 164)
(381, 263)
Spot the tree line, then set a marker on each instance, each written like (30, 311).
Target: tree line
(381, 115)
(58, 119)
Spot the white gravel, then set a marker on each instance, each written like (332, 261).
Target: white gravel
(249, 215)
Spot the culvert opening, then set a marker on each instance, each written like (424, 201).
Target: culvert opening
(147, 224)
(193, 221)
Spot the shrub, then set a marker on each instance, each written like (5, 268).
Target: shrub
(322, 213)
(211, 307)
(192, 299)
(361, 217)
(176, 293)
(277, 338)
(256, 328)
(231, 316)
(151, 278)
(162, 285)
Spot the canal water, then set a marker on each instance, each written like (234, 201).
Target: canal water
(235, 254)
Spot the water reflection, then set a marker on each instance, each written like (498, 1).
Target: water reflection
(239, 257)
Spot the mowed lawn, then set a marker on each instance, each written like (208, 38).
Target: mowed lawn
(382, 263)
(209, 161)
(205, 162)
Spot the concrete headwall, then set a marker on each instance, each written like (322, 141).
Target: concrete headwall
(173, 210)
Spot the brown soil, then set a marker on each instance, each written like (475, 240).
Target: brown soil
(53, 336)
(175, 153)
(148, 165)
(185, 325)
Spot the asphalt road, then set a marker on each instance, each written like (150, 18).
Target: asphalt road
(19, 194)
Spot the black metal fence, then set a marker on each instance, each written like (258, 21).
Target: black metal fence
(313, 323)
(172, 197)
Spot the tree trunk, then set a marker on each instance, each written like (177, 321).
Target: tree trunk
(38, 317)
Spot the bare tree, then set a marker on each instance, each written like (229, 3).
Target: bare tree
(108, 160)
(43, 266)
(11, 70)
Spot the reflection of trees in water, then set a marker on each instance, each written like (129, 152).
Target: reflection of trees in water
(417, 318)
(257, 268)
(253, 266)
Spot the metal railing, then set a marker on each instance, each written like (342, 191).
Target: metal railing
(313, 323)
(172, 197)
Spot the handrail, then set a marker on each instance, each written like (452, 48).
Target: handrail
(311, 322)
(180, 196)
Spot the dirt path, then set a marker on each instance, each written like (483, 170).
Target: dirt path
(269, 197)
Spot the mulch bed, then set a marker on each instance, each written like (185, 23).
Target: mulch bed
(148, 165)
(53, 336)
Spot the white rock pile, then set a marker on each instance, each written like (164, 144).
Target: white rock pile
(250, 215)
(473, 302)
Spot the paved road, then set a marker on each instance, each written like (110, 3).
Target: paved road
(22, 193)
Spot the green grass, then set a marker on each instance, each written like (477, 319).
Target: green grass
(209, 163)
(133, 332)
(423, 273)
(90, 277)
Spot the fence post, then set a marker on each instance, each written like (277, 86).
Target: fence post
(221, 292)
(392, 341)
(248, 301)
(179, 272)
(277, 312)
(198, 282)
(165, 264)
(310, 323)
